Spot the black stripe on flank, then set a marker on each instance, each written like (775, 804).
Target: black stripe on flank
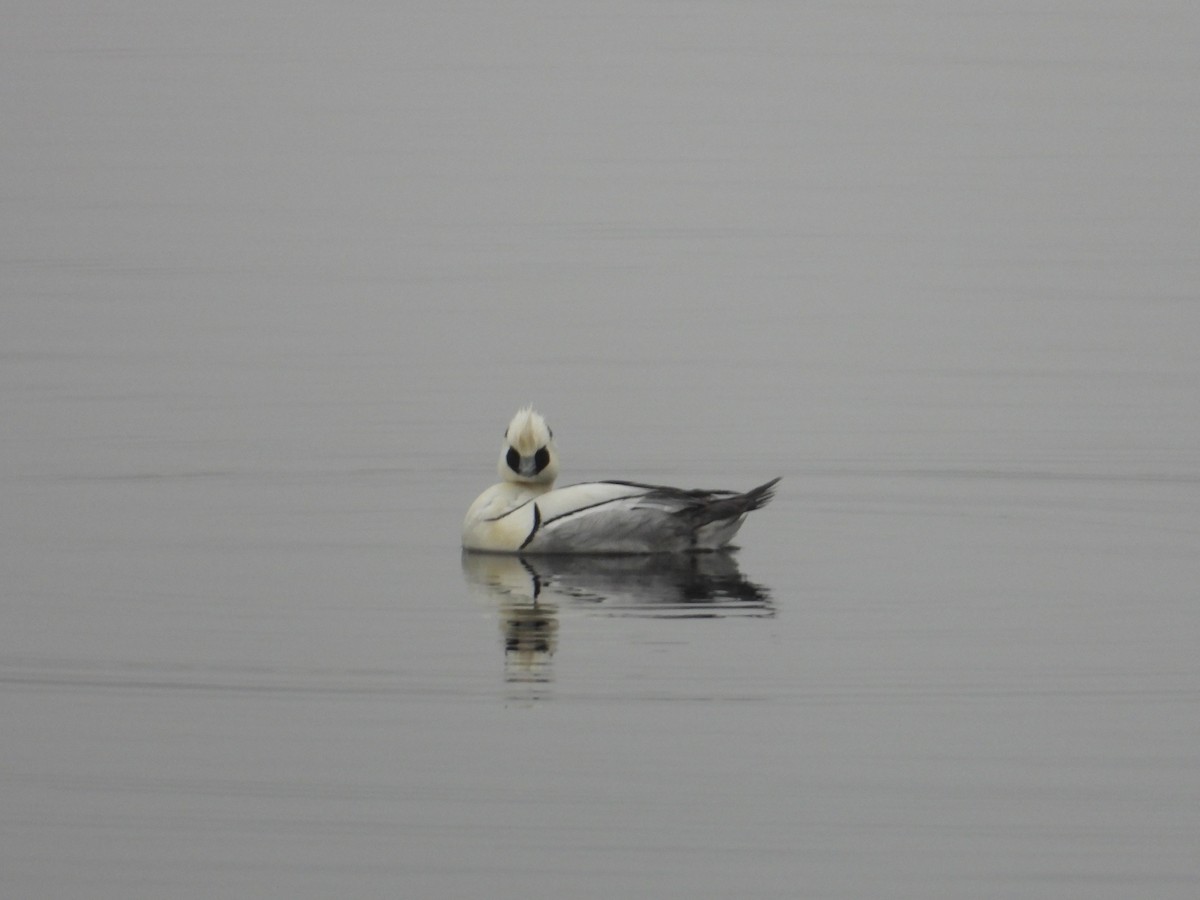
(537, 523)
(600, 503)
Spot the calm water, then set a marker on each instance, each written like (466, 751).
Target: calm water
(273, 280)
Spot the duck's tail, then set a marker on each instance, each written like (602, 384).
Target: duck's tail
(757, 498)
(715, 522)
(718, 506)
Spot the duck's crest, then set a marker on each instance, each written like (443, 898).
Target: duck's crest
(527, 431)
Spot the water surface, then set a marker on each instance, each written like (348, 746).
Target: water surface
(273, 281)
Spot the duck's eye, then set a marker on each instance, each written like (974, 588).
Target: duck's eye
(541, 459)
(513, 458)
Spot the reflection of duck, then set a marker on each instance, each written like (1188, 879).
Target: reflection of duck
(525, 514)
(529, 623)
(661, 585)
(530, 639)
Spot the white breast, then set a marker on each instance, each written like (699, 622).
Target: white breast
(500, 519)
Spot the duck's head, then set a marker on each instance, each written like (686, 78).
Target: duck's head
(528, 455)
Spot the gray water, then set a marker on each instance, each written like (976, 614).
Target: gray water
(273, 278)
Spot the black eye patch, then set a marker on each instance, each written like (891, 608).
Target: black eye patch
(513, 459)
(541, 459)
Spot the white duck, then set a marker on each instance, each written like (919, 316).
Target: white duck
(525, 514)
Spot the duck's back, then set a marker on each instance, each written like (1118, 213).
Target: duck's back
(626, 517)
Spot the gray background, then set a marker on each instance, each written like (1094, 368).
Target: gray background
(273, 278)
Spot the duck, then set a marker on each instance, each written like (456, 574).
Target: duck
(526, 514)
